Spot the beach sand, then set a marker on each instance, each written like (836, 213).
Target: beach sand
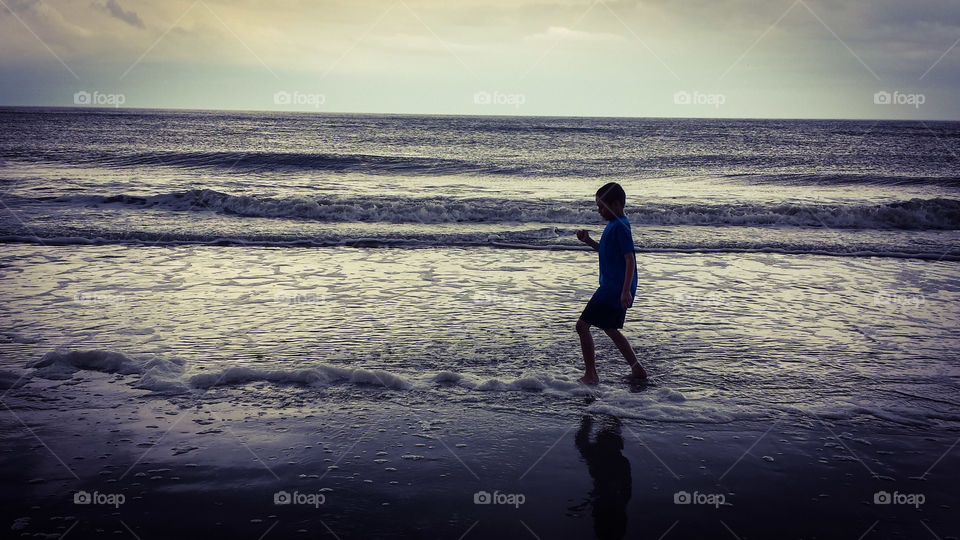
(391, 471)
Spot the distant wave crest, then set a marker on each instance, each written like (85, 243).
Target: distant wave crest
(913, 214)
(759, 169)
(279, 162)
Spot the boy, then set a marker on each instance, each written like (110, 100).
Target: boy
(618, 284)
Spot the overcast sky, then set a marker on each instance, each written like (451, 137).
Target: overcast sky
(691, 58)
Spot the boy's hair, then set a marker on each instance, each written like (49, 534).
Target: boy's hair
(611, 193)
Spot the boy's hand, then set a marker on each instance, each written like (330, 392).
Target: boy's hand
(584, 237)
(626, 299)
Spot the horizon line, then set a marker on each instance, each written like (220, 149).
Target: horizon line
(368, 113)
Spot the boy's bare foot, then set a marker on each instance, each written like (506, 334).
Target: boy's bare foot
(590, 378)
(636, 375)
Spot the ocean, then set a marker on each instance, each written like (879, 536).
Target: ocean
(285, 273)
(168, 177)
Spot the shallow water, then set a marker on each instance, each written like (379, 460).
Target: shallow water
(745, 336)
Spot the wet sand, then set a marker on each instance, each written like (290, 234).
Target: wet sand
(378, 469)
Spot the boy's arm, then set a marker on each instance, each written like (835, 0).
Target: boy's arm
(584, 237)
(626, 299)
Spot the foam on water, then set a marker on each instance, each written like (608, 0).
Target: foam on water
(530, 381)
(670, 405)
(657, 402)
(321, 375)
(161, 375)
(168, 377)
(156, 374)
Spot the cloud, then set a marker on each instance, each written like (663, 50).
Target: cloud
(21, 5)
(420, 43)
(42, 21)
(115, 9)
(620, 43)
(556, 33)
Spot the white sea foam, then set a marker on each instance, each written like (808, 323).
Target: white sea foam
(321, 375)
(167, 376)
(62, 363)
(656, 403)
(156, 374)
(669, 405)
(163, 375)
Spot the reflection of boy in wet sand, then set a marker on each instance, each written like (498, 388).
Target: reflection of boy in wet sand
(618, 284)
(610, 470)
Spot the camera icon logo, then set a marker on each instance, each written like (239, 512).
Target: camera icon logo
(82, 98)
(82, 497)
(282, 98)
(482, 497)
(882, 98)
(682, 98)
(881, 497)
(682, 497)
(282, 497)
(482, 98)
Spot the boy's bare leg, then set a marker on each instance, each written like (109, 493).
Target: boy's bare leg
(589, 361)
(636, 370)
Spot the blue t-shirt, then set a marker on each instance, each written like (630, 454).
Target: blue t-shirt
(616, 241)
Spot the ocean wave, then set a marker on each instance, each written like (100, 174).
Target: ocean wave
(661, 402)
(155, 374)
(278, 162)
(913, 214)
(845, 179)
(169, 375)
(755, 169)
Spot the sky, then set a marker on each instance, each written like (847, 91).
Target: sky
(872, 59)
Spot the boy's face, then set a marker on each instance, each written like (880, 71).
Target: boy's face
(607, 211)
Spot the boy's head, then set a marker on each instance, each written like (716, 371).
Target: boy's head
(610, 200)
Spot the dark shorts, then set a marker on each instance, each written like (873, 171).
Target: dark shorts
(603, 315)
